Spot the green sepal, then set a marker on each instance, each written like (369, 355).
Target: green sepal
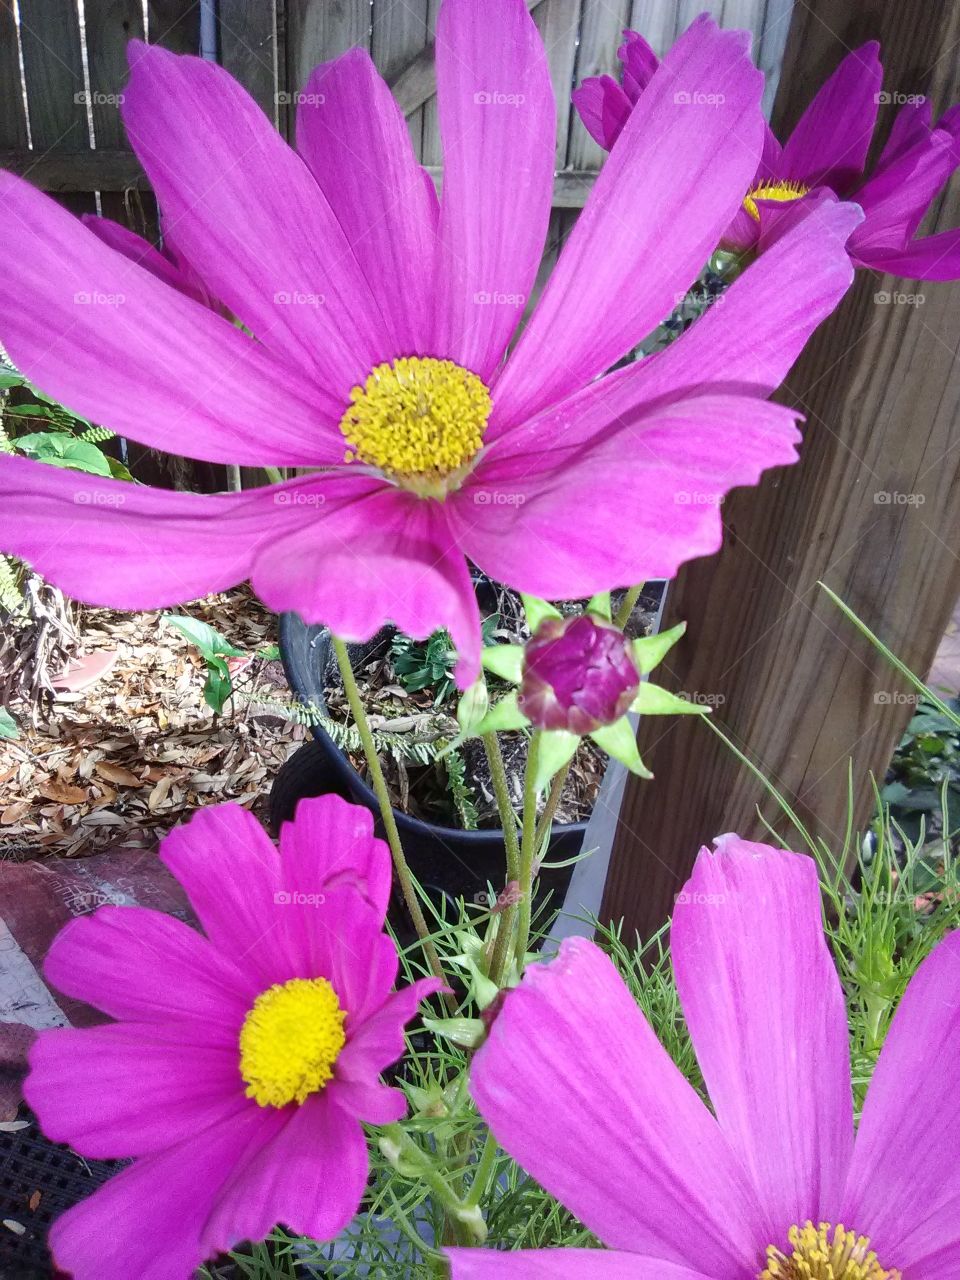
(473, 705)
(599, 606)
(619, 740)
(504, 660)
(503, 716)
(557, 746)
(537, 610)
(468, 1033)
(650, 651)
(651, 700)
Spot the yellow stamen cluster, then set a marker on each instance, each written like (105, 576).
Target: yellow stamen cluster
(290, 1040)
(420, 420)
(825, 1253)
(782, 192)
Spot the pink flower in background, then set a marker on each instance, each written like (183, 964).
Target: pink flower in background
(380, 322)
(824, 159)
(240, 1064)
(772, 1183)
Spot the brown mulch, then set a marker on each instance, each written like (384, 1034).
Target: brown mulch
(123, 761)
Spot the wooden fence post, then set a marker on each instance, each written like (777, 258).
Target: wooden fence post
(873, 509)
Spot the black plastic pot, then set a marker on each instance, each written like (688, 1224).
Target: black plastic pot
(446, 860)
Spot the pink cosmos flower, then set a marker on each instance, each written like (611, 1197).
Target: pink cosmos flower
(240, 1064)
(823, 159)
(380, 320)
(773, 1183)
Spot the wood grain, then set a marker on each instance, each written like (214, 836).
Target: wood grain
(872, 509)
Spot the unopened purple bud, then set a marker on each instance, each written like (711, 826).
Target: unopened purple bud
(578, 674)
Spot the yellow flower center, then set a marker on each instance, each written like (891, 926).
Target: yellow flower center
(825, 1253)
(290, 1040)
(782, 192)
(420, 420)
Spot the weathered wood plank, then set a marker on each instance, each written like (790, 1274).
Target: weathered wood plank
(656, 22)
(318, 30)
(109, 25)
(872, 509)
(247, 40)
(769, 49)
(50, 34)
(558, 22)
(13, 117)
(400, 34)
(601, 34)
(175, 24)
(117, 169)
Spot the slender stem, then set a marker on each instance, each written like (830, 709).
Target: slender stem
(528, 847)
(502, 792)
(274, 475)
(627, 606)
(478, 1188)
(550, 808)
(386, 809)
(234, 481)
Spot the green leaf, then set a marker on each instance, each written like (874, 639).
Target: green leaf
(537, 610)
(557, 746)
(206, 638)
(473, 705)
(599, 606)
(505, 661)
(503, 715)
(269, 652)
(62, 450)
(466, 1032)
(10, 378)
(650, 651)
(118, 470)
(619, 740)
(651, 700)
(8, 726)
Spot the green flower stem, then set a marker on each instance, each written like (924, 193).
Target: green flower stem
(411, 1161)
(627, 606)
(528, 847)
(485, 1165)
(503, 921)
(550, 808)
(508, 820)
(273, 474)
(386, 812)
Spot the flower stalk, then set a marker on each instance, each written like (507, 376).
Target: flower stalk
(379, 784)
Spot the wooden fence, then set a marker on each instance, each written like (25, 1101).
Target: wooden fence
(63, 67)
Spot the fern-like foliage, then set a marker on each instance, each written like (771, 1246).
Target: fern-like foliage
(402, 746)
(11, 596)
(460, 790)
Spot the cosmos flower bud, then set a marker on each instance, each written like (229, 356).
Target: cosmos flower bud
(578, 674)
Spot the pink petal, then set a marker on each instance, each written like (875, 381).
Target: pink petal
(250, 219)
(371, 1102)
(603, 107)
(911, 126)
(497, 125)
(379, 1040)
(563, 1264)
(330, 844)
(904, 1184)
(145, 966)
(930, 258)
(353, 136)
(310, 1176)
(108, 542)
(230, 870)
(136, 249)
(671, 466)
(640, 63)
(656, 212)
(746, 343)
(766, 1012)
(830, 143)
(387, 557)
(896, 199)
(147, 1220)
(130, 1088)
(113, 342)
(576, 1087)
